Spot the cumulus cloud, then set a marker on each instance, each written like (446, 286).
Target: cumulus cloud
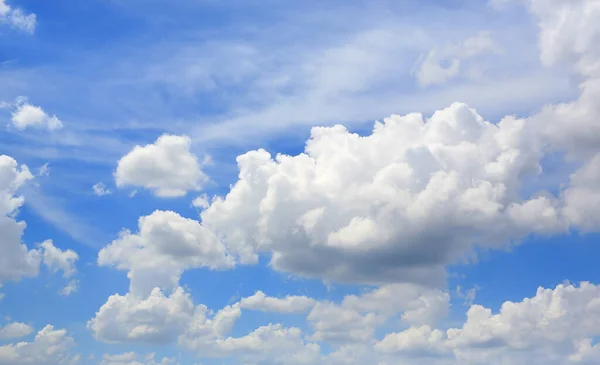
(17, 18)
(100, 189)
(57, 260)
(396, 205)
(167, 167)
(419, 193)
(391, 208)
(31, 116)
(201, 202)
(160, 319)
(14, 330)
(443, 64)
(553, 327)
(16, 260)
(165, 245)
(157, 319)
(271, 344)
(49, 347)
(356, 318)
(289, 304)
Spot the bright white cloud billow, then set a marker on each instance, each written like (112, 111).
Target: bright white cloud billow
(167, 167)
(165, 246)
(31, 116)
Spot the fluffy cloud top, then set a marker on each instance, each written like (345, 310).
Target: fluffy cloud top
(396, 205)
(157, 319)
(17, 18)
(167, 167)
(165, 246)
(553, 327)
(28, 115)
(49, 347)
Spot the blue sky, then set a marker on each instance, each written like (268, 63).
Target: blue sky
(349, 182)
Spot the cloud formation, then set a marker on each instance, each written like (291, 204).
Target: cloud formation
(31, 116)
(49, 347)
(166, 167)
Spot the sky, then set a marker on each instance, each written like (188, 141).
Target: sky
(203, 182)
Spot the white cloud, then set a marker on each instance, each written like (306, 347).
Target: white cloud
(553, 327)
(157, 319)
(167, 167)
(165, 246)
(16, 260)
(49, 347)
(271, 344)
(155, 258)
(14, 330)
(335, 324)
(396, 194)
(569, 31)
(397, 206)
(356, 318)
(289, 304)
(57, 260)
(201, 202)
(17, 18)
(203, 330)
(100, 189)
(420, 193)
(70, 288)
(27, 115)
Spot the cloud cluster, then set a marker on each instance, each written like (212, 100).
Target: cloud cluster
(419, 193)
(392, 208)
(553, 327)
(166, 167)
(49, 347)
(17, 261)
